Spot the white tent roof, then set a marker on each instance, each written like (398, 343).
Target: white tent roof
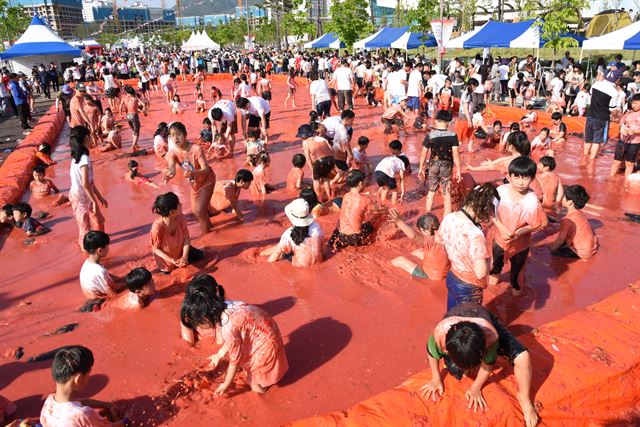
(200, 41)
(38, 39)
(625, 38)
(361, 43)
(458, 42)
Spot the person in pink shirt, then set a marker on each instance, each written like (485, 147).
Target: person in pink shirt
(70, 370)
(395, 115)
(249, 336)
(296, 173)
(628, 147)
(519, 214)
(575, 237)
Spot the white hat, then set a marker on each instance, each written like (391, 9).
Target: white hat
(403, 98)
(299, 213)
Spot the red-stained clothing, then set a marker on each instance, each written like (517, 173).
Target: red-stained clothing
(70, 414)
(435, 262)
(352, 213)
(226, 193)
(44, 158)
(42, 189)
(171, 242)
(395, 111)
(515, 213)
(294, 175)
(631, 120)
(546, 188)
(578, 235)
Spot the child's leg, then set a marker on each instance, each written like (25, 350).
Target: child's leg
(498, 264)
(518, 262)
(628, 168)
(200, 208)
(418, 253)
(470, 145)
(383, 193)
(615, 166)
(394, 197)
(409, 266)
(327, 188)
(429, 203)
(446, 194)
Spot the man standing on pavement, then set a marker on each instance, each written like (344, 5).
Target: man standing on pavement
(20, 99)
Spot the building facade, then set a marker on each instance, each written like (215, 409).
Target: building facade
(135, 17)
(63, 16)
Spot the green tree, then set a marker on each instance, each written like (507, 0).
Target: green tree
(298, 24)
(556, 16)
(350, 20)
(421, 16)
(13, 21)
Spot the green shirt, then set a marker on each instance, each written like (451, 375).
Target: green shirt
(489, 358)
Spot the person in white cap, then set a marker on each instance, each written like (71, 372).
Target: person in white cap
(301, 243)
(395, 115)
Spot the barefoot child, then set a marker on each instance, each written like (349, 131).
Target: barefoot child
(303, 240)
(548, 186)
(249, 336)
(530, 118)
(170, 241)
(113, 140)
(628, 146)
(201, 104)
(352, 229)
(575, 238)
(260, 163)
(70, 370)
(141, 291)
(321, 161)
(206, 133)
(388, 169)
(176, 105)
(542, 142)
(254, 144)
(558, 132)
(134, 175)
(43, 154)
(479, 126)
(583, 99)
(518, 215)
(107, 121)
(296, 173)
(41, 187)
(494, 138)
(22, 217)
(515, 127)
(395, 115)
(441, 149)
(469, 337)
(95, 280)
(360, 157)
(227, 192)
(435, 263)
(6, 216)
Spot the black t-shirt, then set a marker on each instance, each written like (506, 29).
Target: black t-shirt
(441, 143)
(603, 97)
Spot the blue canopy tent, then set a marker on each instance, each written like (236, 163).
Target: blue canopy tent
(398, 38)
(411, 40)
(385, 37)
(39, 45)
(327, 41)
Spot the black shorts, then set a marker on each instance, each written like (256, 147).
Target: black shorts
(512, 93)
(323, 167)
(266, 95)
(145, 86)
(134, 123)
(339, 240)
(154, 81)
(333, 92)
(360, 81)
(323, 108)
(595, 131)
(384, 180)
(342, 165)
(254, 121)
(626, 152)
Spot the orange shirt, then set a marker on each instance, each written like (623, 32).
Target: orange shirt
(577, 234)
(42, 189)
(225, 193)
(45, 158)
(294, 175)
(352, 213)
(169, 241)
(435, 262)
(516, 213)
(549, 183)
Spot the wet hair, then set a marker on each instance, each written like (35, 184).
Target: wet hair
(298, 160)
(354, 177)
(299, 234)
(428, 222)
(162, 127)
(480, 200)
(179, 126)
(313, 116)
(206, 121)
(216, 113)
(578, 195)
(479, 108)
(465, 344)
(176, 97)
(347, 114)
(8, 209)
(557, 115)
(172, 75)
(520, 143)
(45, 148)
(523, 167)
(76, 141)
(395, 145)
(548, 161)
(444, 116)
(89, 98)
(23, 208)
(406, 162)
(108, 109)
(39, 169)
(129, 90)
(545, 130)
(165, 203)
(242, 102)
(137, 279)
(253, 133)
(260, 158)
(70, 361)
(497, 123)
(310, 197)
(243, 175)
(94, 240)
(203, 302)
(133, 168)
(515, 126)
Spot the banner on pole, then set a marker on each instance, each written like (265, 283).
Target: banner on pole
(248, 43)
(442, 30)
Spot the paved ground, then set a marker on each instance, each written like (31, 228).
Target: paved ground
(10, 130)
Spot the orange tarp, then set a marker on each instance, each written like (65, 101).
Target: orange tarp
(15, 172)
(586, 372)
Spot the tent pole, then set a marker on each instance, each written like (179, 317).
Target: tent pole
(580, 60)
(634, 56)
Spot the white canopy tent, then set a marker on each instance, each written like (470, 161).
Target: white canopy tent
(458, 42)
(200, 41)
(360, 44)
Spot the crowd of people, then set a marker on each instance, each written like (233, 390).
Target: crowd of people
(467, 247)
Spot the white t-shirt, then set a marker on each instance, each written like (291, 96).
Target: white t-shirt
(76, 188)
(582, 99)
(258, 106)
(395, 87)
(390, 166)
(228, 108)
(244, 90)
(320, 89)
(343, 77)
(415, 83)
(336, 130)
(480, 88)
(504, 72)
(309, 252)
(511, 84)
(94, 280)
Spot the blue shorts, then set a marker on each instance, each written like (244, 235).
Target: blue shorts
(413, 103)
(595, 130)
(459, 292)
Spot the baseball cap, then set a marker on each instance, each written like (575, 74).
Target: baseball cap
(305, 131)
(81, 87)
(403, 98)
(66, 89)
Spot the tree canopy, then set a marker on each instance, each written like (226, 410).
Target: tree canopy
(350, 20)
(13, 21)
